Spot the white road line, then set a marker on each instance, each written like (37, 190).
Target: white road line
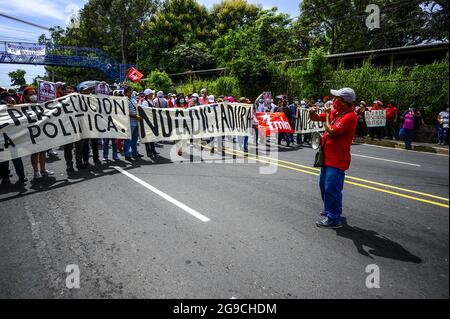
(386, 160)
(402, 149)
(165, 196)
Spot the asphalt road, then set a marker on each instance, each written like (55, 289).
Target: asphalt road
(219, 228)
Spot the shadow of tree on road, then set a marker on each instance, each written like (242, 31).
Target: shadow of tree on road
(377, 244)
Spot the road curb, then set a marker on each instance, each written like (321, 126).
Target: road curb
(401, 145)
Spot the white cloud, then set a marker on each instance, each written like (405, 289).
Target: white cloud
(34, 8)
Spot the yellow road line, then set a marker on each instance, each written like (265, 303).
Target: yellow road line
(348, 182)
(356, 178)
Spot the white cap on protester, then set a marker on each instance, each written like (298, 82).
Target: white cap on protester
(211, 99)
(195, 95)
(347, 94)
(149, 92)
(160, 94)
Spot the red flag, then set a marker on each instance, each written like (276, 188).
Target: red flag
(134, 75)
(273, 122)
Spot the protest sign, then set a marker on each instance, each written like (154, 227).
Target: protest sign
(267, 96)
(134, 75)
(46, 91)
(25, 49)
(102, 88)
(197, 122)
(376, 118)
(304, 125)
(273, 123)
(30, 128)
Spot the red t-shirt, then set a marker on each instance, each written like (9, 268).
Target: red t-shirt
(391, 113)
(337, 148)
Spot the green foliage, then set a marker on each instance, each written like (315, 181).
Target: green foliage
(224, 85)
(17, 77)
(233, 14)
(426, 86)
(339, 26)
(189, 57)
(178, 22)
(159, 80)
(307, 80)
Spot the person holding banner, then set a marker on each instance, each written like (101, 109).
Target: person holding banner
(30, 96)
(340, 129)
(150, 148)
(93, 142)
(130, 150)
(376, 131)
(17, 162)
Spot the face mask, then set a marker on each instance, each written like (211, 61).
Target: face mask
(182, 101)
(33, 98)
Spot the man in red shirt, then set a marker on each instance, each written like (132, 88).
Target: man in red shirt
(340, 129)
(391, 121)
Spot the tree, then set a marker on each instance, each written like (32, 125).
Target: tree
(17, 77)
(340, 26)
(159, 80)
(268, 33)
(189, 57)
(308, 79)
(233, 14)
(177, 22)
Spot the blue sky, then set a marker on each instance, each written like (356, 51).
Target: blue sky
(55, 12)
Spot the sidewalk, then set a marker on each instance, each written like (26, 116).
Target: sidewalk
(421, 147)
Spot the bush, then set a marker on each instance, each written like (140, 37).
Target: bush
(225, 85)
(160, 81)
(425, 86)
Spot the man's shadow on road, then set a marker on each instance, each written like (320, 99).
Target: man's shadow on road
(377, 244)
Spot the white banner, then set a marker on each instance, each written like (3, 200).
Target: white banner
(197, 122)
(30, 128)
(304, 125)
(376, 118)
(25, 49)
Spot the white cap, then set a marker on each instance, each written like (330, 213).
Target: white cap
(60, 84)
(203, 91)
(211, 99)
(160, 94)
(347, 94)
(195, 95)
(148, 92)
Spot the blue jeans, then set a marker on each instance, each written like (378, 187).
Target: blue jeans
(131, 145)
(243, 141)
(331, 184)
(443, 135)
(106, 147)
(409, 136)
(18, 166)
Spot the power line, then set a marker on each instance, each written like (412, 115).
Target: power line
(23, 21)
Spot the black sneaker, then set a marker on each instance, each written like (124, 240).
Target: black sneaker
(22, 180)
(327, 224)
(6, 181)
(128, 158)
(70, 169)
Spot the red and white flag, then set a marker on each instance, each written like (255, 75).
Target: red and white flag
(134, 75)
(273, 123)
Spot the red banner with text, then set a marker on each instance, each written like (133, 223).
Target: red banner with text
(273, 123)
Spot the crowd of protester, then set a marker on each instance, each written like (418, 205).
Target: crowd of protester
(398, 126)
